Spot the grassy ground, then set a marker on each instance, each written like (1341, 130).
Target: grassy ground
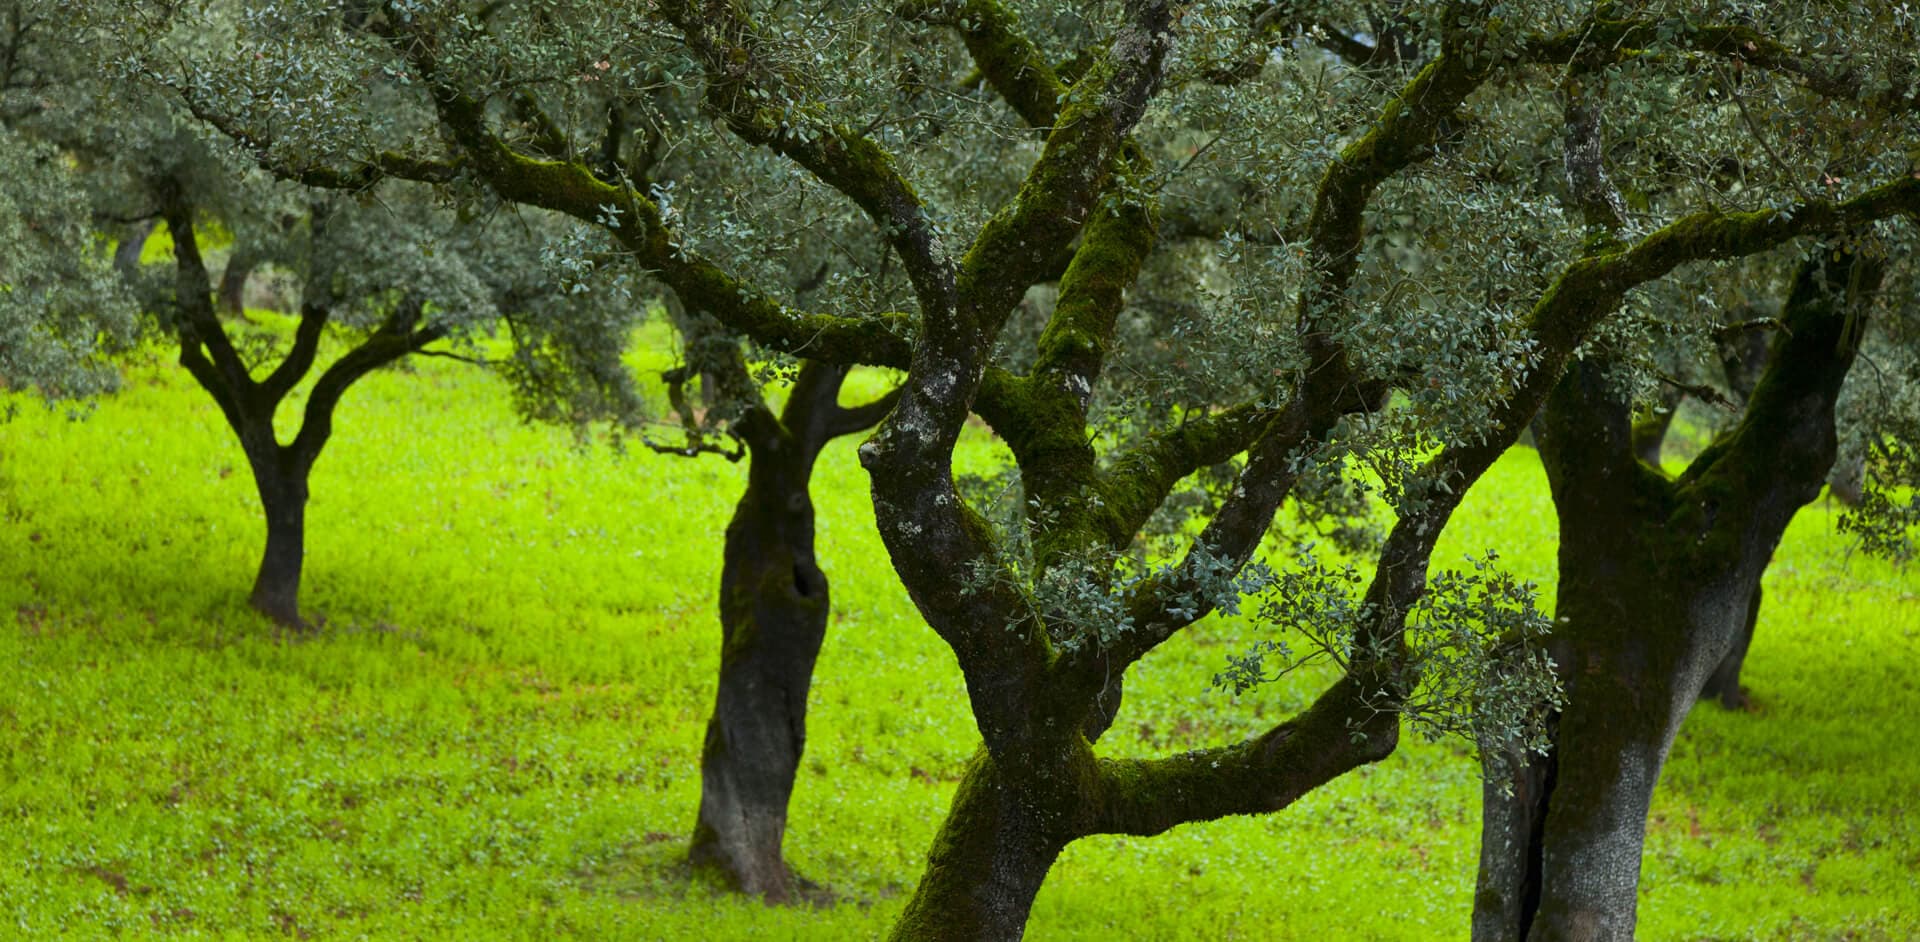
(495, 734)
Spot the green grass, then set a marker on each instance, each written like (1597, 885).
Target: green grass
(496, 733)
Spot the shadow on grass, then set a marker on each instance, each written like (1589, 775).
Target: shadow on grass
(655, 869)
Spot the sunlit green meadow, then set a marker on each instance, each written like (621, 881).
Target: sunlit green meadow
(495, 733)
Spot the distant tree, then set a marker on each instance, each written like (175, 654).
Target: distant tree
(1433, 293)
(388, 308)
(386, 269)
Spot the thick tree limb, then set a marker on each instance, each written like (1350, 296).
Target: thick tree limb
(1145, 797)
(1002, 649)
(1402, 135)
(573, 189)
(1603, 40)
(1006, 58)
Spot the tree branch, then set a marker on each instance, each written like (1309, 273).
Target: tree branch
(193, 293)
(306, 345)
(743, 88)
(1145, 797)
(1002, 648)
(395, 338)
(856, 419)
(635, 221)
(1009, 61)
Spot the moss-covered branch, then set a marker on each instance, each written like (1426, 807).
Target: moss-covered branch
(1139, 478)
(1785, 442)
(1043, 417)
(1002, 648)
(1334, 736)
(1605, 40)
(572, 188)
(1009, 61)
(1402, 134)
(1146, 797)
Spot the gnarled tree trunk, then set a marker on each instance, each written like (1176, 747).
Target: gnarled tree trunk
(1659, 588)
(774, 605)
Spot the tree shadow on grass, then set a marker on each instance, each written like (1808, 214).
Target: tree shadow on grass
(655, 869)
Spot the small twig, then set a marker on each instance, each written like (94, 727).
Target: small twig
(1706, 394)
(482, 362)
(1771, 323)
(1753, 128)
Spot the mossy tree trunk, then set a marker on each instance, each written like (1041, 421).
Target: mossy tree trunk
(280, 471)
(1659, 587)
(1000, 837)
(774, 606)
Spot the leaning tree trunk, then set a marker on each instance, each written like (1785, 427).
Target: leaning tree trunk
(774, 605)
(1659, 586)
(773, 617)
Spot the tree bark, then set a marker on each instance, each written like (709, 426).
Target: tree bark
(1659, 589)
(774, 604)
(994, 849)
(1724, 683)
